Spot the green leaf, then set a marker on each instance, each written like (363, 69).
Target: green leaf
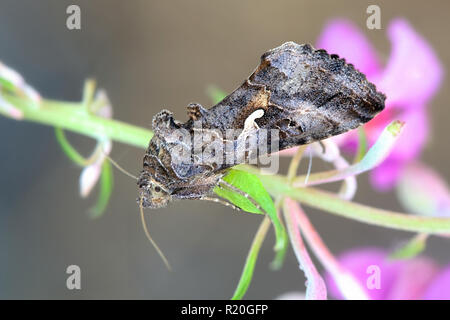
(249, 267)
(106, 186)
(411, 248)
(215, 94)
(250, 184)
(374, 156)
(362, 145)
(280, 255)
(67, 148)
(237, 199)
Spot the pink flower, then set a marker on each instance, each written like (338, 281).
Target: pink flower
(423, 192)
(93, 168)
(15, 82)
(409, 79)
(91, 173)
(417, 278)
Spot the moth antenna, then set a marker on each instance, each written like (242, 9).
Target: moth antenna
(225, 203)
(144, 225)
(118, 167)
(309, 167)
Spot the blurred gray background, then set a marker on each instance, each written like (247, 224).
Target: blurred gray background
(150, 55)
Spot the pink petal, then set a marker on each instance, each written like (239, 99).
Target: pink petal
(422, 191)
(384, 177)
(343, 38)
(357, 262)
(408, 147)
(415, 277)
(349, 140)
(315, 285)
(105, 110)
(8, 109)
(440, 287)
(11, 75)
(288, 152)
(376, 155)
(90, 174)
(346, 283)
(413, 72)
(88, 178)
(415, 134)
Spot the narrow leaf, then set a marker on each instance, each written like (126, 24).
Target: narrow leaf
(250, 184)
(362, 145)
(375, 156)
(67, 148)
(106, 186)
(237, 199)
(247, 273)
(411, 248)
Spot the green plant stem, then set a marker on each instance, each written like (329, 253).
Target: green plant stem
(326, 201)
(72, 116)
(293, 166)
(295, 162)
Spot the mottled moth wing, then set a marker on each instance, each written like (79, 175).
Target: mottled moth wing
(307, 94)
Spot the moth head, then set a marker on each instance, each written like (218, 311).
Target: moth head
(152, 194)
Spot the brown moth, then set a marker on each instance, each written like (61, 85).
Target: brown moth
(305, 94)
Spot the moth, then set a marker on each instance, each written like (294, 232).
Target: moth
(304, 94)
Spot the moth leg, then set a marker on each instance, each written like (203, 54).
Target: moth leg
(242, 193)
(164, 124)
(221, 202)
(196, 111)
